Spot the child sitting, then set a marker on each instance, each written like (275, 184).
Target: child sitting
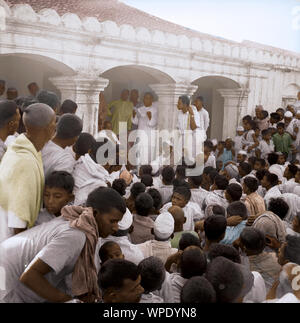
(110, 250)
(181, 197)
(120, 282)
(153, 274)
(58, 193)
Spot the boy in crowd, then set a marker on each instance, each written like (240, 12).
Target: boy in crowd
(153, 274)
(110, 250)
(58, 193)
(181, 197)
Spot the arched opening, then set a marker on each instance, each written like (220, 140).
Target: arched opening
(208, 87)
(18, 70)
(133, 77)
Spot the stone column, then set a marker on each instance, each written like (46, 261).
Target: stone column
(167, 101)
(235, 102)
(84, 90)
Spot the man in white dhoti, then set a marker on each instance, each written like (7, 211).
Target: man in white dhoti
(146, 119)
(203, 116)
(55, 156)
(187, 123)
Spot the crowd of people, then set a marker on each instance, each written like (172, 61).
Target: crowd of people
(75, 230)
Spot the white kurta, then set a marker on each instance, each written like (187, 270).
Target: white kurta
(145, 133)
(55, 158)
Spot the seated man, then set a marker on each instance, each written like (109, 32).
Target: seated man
(36, 261)
(21, 172)
(198, 290)
(120, 282)
(54, 155)
(160, 247)
(153, 274)
(216, 196)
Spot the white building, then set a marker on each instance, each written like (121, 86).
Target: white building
(78, 48)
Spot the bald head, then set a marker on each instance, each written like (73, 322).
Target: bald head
(178, 216)
(38, 115)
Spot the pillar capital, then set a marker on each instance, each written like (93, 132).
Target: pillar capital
(84, 89)
(235, 101)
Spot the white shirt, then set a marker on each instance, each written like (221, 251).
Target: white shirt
(258, 292)
(166, 192)
(2, 149)
(192, 212)
(54, 242)
(203, 117)
(159, 249)
(151, 298)
(198, 196)
(238, 143)
(273, 192)
(43, 217)
(8, 222)
(265, 148)
(211, 161)
(216, 197)
(55, 158)
(130, 251)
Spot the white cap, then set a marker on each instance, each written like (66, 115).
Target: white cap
(126, 221)
(164, 225)
(240, 128)
(277, 170)
(214, 142)
(242, 152)
(288, 114)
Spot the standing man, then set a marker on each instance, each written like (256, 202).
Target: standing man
(122, 112)
(146, 120)
(134, 98)
(187, 121)
(11, 93)
(21, 172)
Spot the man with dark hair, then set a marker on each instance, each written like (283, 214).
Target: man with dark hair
(192, 262)
(252, 243)
(120, 282)
(226, 278)
(253, 201)
(233, 192)
(33, 89)
(142, 223)
(244, 170)
(226, 251)
(54, 154)
(198, 193)
(49, 98)
(198, 290)
(135, 190)
(202, 115)
(214, 228)
(21, 172)
(153, 274)
(9, 122)
(217, 194)
(270, 183)
(38, 260)
(166, 189)
(68, 106)
(282, 140)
